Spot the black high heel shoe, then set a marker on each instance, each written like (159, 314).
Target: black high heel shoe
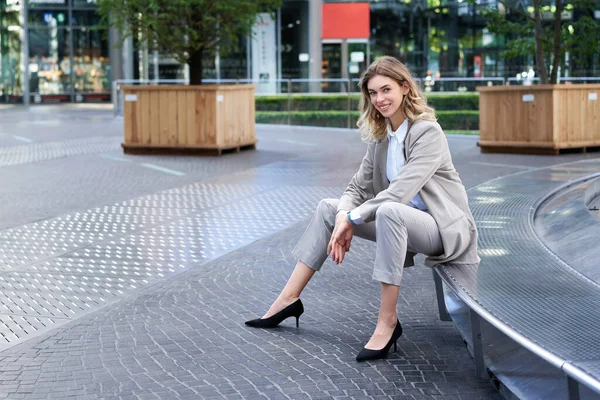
(293, 310)
(367, 354)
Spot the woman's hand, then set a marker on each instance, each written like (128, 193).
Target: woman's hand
(341, 237)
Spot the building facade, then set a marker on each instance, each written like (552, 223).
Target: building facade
(67, 56)
(70, 60)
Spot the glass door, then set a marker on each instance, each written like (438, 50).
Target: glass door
(331, 66)
(357, 63)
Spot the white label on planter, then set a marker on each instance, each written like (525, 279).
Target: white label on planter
(131, 97)
(592, 96)
(527, 98)
(219, 98)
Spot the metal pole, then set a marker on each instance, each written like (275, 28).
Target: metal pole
(248, 59)
(477, 343)
(71, 58)
(25, 52)
(348, 102)
(439, 291)
(344, 52)
(155, 60)
(114, 98)
(279, 66)
(289, 110)
(218, 65)
(573, 388)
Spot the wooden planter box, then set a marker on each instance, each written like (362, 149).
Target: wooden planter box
(202, 119)
(539, 119)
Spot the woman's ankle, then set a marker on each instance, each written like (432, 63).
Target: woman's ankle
(279, 304)
(286, 297)
(387, 321)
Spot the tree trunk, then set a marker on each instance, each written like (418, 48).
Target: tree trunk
(195, 64)
(557, 50)
(540, 63)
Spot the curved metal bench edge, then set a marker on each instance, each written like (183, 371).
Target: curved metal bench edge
(569, 369)
(496, 322)
(537, 205)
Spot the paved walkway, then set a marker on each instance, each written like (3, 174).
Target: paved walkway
(131, 276)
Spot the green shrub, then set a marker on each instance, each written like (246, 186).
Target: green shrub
(343, 102)
(444, 101)
(459, 120)
(449, 120)
(332, 119)
(306, 102)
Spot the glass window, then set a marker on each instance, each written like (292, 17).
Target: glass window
(331, 66)
(397, 31)
(47, 17)
(84, 3)
(85, 18)
(294, 40)
(49, 64)
(91, 61)
(48, 3)
(10, 53)
(357, 60)
(209, 67)
(235, 65)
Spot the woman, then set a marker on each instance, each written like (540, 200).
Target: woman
(406, 196)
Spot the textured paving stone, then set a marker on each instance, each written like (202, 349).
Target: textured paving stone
(187, 335)
(182, 334)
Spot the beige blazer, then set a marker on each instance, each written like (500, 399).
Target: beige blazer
(430, 173)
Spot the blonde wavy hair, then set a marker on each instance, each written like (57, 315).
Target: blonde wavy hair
(372, 124)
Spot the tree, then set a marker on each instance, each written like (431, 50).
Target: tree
(187, 30)
(547, 32)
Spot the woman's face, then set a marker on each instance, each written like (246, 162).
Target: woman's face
(386, 95)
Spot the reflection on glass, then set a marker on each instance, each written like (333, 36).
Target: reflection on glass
(331, 66)
(48, 17)
(91, 61)
(357, 61)
(235, 65)
(47, 3)
(49, 64)
(10, 52)
(84, 3)
(85, 18)
(294, 40)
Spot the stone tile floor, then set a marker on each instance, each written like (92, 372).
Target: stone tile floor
(131, 276)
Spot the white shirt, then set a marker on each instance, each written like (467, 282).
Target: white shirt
(395, 162)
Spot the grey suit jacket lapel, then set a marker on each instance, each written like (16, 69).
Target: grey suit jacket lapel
(406, 140)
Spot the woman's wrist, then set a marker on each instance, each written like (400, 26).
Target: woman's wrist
(341, 212)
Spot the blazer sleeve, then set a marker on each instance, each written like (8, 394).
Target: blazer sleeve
(360, 187)
(424, 158)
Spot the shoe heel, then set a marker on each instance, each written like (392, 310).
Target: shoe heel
(293, 310)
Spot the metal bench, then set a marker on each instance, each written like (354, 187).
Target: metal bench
(521, 287)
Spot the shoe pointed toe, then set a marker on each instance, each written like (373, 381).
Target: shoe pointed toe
(253, 322)
(367, 354)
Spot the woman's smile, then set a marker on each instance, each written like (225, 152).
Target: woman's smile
(384, 108)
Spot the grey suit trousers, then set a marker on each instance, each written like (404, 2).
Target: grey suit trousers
(397, 228)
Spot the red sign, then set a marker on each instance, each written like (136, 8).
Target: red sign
(346, 21)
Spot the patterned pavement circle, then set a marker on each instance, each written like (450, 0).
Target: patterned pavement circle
(142, 292)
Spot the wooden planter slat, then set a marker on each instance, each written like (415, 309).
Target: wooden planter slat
(170, 117)
(559, 117)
